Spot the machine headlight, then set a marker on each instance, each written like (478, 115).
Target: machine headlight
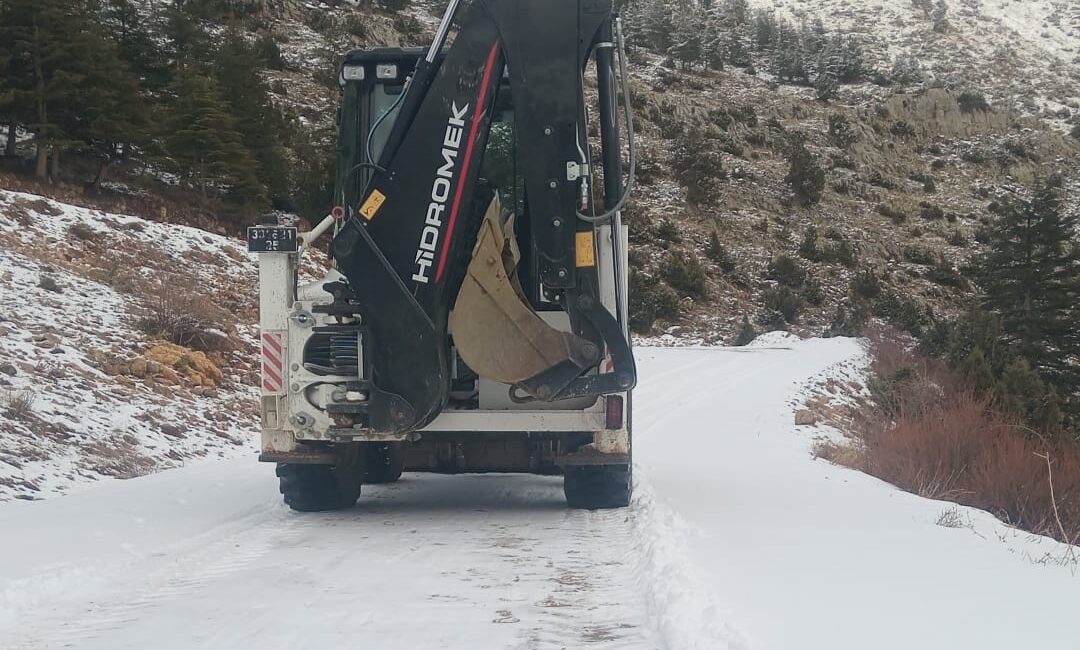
(353, 73)
(386, 71)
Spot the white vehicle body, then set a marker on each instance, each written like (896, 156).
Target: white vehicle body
(298, 428)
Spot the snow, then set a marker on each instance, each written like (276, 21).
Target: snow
(86, 424)
(808, 555)
(1016, 52)
(736, 539)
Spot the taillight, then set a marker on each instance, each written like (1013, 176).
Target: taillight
(614, 411)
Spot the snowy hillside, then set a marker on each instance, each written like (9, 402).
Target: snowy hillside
(736, 539)
(90, 386)
(1026, 53)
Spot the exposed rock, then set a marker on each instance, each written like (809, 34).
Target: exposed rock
(171, 430)
(138, 367)
(805, 417)
(193, 365)
(46, 340)
(8, 369)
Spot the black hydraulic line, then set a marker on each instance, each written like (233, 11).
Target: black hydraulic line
(609, 123)
(416, 91)
(610, 151)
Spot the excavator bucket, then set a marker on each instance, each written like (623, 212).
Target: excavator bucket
(495, 330)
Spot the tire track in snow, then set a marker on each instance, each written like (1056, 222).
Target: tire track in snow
(579, 592)
(178, 579)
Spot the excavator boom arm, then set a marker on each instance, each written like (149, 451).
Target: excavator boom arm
(412, 249)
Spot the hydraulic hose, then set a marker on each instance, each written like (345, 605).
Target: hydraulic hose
(378, 122)
(624, 79)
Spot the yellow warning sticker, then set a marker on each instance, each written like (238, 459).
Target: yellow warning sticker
(372, 204)
(585, 250)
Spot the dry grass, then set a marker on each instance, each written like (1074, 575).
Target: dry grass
(847, 454)
(119, 456)
(951, 518)
(81, 231)
(17, 404)
(929, 434)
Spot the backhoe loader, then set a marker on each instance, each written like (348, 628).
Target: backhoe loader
(473, 314)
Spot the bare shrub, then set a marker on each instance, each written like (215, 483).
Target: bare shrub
(79, 230)
(951, 518)
(17, 404)
(184, 316)
(928, 449)
(929, 433)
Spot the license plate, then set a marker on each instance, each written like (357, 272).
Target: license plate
(271, 239)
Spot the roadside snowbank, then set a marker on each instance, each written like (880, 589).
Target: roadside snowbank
(804, 554)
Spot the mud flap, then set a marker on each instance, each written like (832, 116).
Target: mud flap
(495, 330)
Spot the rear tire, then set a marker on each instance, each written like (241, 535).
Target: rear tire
(597, 487)
(383, 463)
(318, 488)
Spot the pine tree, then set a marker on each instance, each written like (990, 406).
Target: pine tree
(843, 58)
(805, 175)
(906, 70)
(765, 26)
(113, 116)
(746, 333)
(1031, 277)
(65, 80)
(237, 67)
(9, 76)
(715, 36)
(940, 17)
(814, 38)
(658, 25)
(687, 45)
(46, 39)
(203, 141)
(718, 253)
(922, 4)
(187, 42)
(826, 86)
(788, 60)
(135, 39)
(737, 48)
(1020, 391)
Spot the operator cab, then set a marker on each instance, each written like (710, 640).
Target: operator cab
(372, 83)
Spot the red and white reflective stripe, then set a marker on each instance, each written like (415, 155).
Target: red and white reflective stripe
(273, 363)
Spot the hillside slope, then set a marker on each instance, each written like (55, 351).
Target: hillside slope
(125, 346)
(912, 152)
(941, 108)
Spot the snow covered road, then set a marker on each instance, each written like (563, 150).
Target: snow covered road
(207, 558)
(736, 539)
